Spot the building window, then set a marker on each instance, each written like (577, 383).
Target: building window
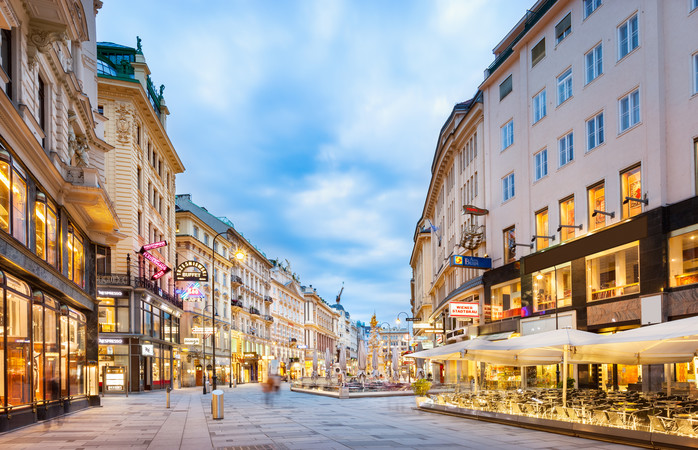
(509, 236)
(114, 315)
(628, 37)
(206, 239)
(563, 28)
(542, 229)
(195, 232)
(613, 273)
(595, 131)
(629, 109)
(541, 164)
(76, 257)
(508, 134)
(103, 259)
(538, 52)
(505, 88)
(597, 202)
(566, 148)
(506, 301)
(138, 178)
(694, 4)
(138, 135)
(683, 257)
(6, 60)
(41, 108)
(539, 106)
(139, 218)
(590, 6)
(594, 63)
(695, 163)
(508, 187)
(19, 204)
(631, 186)
(695, 72)
(551, 284)
(567, 218)
(46, 230)
(564, 86)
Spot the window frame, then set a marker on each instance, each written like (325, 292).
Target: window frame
(595, 5)
(566, 141)
(542, 230)
(509, 241)
(508, 187)
(567, 233)
(598, 133)
(539, 106)
(560, 35)
(694, 60)
(624, 51)
(505, 87)
(598, 222)
(540, 161)
(632, 107)
(564, 86)
(536, 59)
(507, 135)
(629, 188)
(596, 65)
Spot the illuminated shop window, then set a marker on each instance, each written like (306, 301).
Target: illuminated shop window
(631, 186)
(567, 218)
(597, 201)
(552, 283)
(509, 241)
(542, 229)
(505, 301)
(46, 230)
(13, 198)
(683, 257)
(76, 257)
(613, 273)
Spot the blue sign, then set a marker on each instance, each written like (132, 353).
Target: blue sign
(473, 262)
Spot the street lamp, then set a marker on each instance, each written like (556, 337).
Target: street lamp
(238, 256)
(213, 302)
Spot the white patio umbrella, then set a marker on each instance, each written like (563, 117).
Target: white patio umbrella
(315, 363)
(375, 362)
(362, 357)
(328, 362)
(664, 343)
(343, 360)
(396, 355)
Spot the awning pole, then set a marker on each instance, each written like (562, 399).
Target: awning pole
(564, 375)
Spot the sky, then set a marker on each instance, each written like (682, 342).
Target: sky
(312, 125)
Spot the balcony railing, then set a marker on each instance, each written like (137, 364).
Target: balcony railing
(117, 279)
(236, 303)
(235, 279)
(268, 318)
(268, 299)
(254, 310)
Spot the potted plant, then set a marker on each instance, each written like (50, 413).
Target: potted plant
(420, 388)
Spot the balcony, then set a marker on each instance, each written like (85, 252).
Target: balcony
(268, 299)
(235, 303)
(254, 310)
(235, 280)
(116, 279)
(268, 318)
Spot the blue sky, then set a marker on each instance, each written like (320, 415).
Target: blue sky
(312, 124)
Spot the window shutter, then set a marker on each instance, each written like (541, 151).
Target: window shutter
(563, 25)
(505, 88)
(538, 52)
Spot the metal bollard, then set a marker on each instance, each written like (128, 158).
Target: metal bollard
(217, 404)
(167, 396)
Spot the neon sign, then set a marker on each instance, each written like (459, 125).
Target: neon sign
(153, 246)
(159, 264)
(192, 291)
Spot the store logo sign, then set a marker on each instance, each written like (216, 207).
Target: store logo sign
(147, 350)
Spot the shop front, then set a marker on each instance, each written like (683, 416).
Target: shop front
(250, 367)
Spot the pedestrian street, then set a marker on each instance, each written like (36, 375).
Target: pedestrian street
(293, 421)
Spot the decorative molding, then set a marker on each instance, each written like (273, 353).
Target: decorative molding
(8, 14)
(77, 15)
(123, 125)
(40, 40)
(97, 4)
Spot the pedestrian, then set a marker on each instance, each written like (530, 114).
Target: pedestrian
(268, 390)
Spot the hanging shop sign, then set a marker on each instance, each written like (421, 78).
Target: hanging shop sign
(192, 292)
(152, 246)
(472, 262)
(249, 355)
(191, 341)
(110, 341)
(201, 330)
(474, 210)
(191, 271)
(463, 309)
(147, 350)
(114, 379)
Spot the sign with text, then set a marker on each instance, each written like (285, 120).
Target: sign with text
(114, 379)
(153, 246)
(191, 341)
(192, 292)
(110, 341)
(147, 350)
(191, 271)
(472, 262)
(201, 330)
(474, 210)
(463, 309)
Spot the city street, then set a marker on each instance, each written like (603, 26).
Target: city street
(295, 421)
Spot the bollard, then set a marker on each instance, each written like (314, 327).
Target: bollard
(167, 395)
(217, 404)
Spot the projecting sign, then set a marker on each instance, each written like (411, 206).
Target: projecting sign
(112, 341)
(202, 330)
(114, 379)
(147, 350)
(471, 261)
(192, 292)
(196, 272)
(153, 246)
(191, 341)
(463, 309)
(474, 210)
(108, 293)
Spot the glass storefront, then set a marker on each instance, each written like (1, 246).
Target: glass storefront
(552, 283)
(505, 301)
(44, 346)
(613, 273)
(683, 257)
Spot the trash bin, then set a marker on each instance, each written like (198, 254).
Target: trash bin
(217, 404)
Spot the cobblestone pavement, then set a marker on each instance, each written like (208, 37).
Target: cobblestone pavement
(294, 421)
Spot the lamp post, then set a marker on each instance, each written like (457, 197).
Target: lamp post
(213, 302)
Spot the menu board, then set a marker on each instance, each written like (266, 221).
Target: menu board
(114, 379)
